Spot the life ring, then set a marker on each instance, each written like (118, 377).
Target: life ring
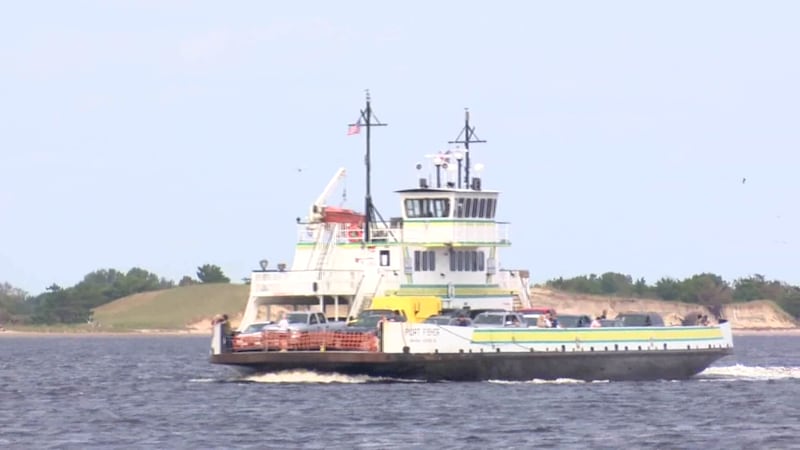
(354, 233)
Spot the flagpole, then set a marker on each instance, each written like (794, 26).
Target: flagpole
(368, 164)
(366, 117)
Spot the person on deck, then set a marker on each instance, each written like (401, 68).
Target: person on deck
(283, 324)
(596, 323)
(226, 332)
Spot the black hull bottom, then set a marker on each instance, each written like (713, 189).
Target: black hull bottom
(588, 366)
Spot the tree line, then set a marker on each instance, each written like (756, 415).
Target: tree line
(74, 304)
(705, 289)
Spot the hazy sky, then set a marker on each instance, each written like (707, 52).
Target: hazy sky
(167, 134)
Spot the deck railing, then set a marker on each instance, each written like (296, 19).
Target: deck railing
(497, 233)
(304, 282)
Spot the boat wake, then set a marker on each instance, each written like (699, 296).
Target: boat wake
(311, 377)
(749, 373)
(540, 381)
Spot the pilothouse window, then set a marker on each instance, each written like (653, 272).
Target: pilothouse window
(427, 207)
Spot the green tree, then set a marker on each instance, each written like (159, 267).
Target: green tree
(640, 288)
(668, 289)
(706, 289)
(616, 283)
(14, 306)
(75, 304)
(210, 273)
(187, 281)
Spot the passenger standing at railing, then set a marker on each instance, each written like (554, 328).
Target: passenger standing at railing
(226, 332)
(283, 324)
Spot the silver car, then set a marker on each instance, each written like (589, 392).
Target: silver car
(499, 319)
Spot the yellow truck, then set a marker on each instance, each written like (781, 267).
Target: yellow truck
(415, 308)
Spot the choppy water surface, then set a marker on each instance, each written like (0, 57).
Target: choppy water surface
(160, 392)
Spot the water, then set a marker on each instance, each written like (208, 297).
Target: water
(160, 392)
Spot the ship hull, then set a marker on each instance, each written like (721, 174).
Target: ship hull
(512, 366)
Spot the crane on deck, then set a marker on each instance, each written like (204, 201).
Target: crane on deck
(321, 212)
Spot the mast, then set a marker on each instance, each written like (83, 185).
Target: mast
(468, 134)
(369, 120)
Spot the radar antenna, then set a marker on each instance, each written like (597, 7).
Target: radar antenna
(466, 136)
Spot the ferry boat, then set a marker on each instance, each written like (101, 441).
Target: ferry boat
(445, 244)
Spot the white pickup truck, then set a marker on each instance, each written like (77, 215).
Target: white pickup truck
(303, 321)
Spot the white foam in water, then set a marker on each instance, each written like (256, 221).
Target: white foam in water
(305, 376)
(741, 372)
(540, 381)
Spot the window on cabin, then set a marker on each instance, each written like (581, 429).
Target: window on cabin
(474, 208)
(411, 208)
(489, 208)
(467, 261)
(427, 207)
(384, 258)
(424, 261)
(468, 208)
(441, 207)
(482, 208)
(459, 207)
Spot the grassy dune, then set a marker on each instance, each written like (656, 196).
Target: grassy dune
(171, 309)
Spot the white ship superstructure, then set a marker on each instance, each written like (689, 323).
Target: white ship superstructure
(445, 242)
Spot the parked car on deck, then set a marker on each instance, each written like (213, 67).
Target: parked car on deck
(640, 319)
(499, 319)
(611, 323)
(573, 321)
(251, 338)
(463, 321)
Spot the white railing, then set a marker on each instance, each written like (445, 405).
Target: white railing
(489, 233)
(304, 282)
(503, 233)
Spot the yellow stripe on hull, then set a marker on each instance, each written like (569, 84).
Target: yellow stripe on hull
(616, 334)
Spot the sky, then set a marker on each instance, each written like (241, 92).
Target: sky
(167, 134)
